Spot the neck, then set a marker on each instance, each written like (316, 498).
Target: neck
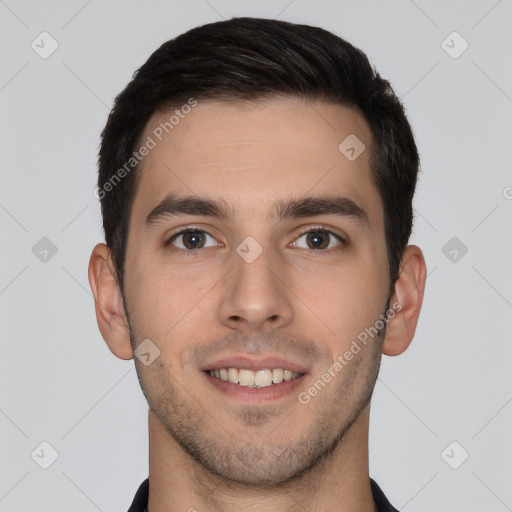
(338, 482)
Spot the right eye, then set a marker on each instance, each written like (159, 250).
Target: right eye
(191, 239)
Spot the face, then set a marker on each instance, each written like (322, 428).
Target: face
(282, 265)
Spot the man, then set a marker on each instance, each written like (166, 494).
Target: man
(256, 181)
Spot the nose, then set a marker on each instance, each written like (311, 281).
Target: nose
(256, 296)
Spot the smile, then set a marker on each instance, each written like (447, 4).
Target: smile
(254, 379)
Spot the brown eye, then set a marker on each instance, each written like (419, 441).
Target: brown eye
(319, 239)
(191, 239)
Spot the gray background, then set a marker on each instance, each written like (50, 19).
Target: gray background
(59, 382)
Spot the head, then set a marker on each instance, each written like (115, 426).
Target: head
(293, 167)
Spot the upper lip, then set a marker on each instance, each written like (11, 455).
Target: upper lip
(255, 364)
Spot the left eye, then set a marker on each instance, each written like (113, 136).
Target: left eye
(318, 239)
(192, 239)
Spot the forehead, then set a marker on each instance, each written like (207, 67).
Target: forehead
(254, 154)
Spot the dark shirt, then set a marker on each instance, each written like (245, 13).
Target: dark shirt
(140, 502)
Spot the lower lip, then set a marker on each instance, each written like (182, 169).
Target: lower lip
(255, 395)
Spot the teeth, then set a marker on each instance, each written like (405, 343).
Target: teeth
(248, 378)
(277, 375)
(233, 375)
(263, 378)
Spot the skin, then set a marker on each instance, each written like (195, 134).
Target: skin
(208, 451)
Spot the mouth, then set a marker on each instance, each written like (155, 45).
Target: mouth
(252, 380)
(263, 378)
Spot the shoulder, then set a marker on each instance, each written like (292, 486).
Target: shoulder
(140, 501)
(382, 503)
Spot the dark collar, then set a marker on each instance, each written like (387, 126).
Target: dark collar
(140, 502)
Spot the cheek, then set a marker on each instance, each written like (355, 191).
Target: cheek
(164, 301)
(343, 296)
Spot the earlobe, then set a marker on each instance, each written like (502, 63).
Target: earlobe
(108, 301)
(408, 293)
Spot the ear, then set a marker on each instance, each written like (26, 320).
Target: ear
(110, 313)
(408, 292)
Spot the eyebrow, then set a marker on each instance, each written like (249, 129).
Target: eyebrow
(337, 206)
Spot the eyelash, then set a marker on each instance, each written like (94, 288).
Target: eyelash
(308, 229)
